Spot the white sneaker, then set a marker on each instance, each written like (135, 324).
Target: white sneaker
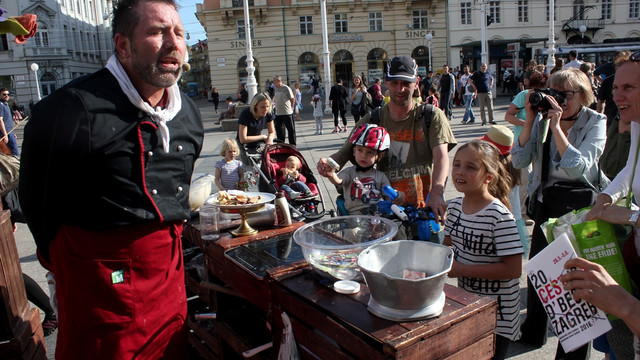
(294, 194)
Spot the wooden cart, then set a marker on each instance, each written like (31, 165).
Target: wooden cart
(326, 325)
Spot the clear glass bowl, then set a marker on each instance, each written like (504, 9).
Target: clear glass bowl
(331, 246)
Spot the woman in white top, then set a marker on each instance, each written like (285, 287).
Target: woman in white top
(591, 282)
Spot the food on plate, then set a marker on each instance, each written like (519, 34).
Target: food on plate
(224, 198)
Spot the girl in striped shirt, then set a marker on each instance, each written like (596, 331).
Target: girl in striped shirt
(229, 170)
(483, 235)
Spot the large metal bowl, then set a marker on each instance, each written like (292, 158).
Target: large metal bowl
(331, 246)
(393, 295)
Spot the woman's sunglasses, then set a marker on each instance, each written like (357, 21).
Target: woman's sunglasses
(635, 56)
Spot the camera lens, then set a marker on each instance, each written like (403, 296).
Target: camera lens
(535, 98)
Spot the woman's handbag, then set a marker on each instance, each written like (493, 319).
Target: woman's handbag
(564, 196)
(355, 109)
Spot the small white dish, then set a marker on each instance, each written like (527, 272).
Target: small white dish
(346, 287)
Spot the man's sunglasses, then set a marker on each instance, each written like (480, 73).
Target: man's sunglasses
(635, 56)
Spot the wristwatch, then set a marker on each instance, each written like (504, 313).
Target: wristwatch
(633, 219)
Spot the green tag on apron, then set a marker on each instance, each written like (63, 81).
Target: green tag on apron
(117, 277)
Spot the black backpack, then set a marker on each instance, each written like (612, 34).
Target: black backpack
(371, 92)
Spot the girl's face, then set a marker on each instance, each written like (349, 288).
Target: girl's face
(356, 81)
(469, 173)
(365, 157)
(230, 154)
(262, 108)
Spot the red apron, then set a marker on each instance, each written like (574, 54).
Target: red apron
(120, 293)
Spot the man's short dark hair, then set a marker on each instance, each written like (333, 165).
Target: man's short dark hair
(126, 17)
(573, 54)
(4, 89)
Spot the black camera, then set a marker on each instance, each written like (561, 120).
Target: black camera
(538, 98)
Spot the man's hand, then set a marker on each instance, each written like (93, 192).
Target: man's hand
(323, 167)
(438, 207)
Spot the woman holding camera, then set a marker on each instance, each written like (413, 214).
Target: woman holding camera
(563, 139)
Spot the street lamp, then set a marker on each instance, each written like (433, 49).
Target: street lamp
(252, 85)
(325, 54)
(429, 37)
(34, 68)
(551, 52)
(583, 29)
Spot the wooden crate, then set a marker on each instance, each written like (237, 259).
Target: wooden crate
(328, 325)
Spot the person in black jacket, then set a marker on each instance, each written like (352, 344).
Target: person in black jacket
(338, 102)
(104, 186)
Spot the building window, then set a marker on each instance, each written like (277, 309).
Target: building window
(606, 9)
(82, 43)
(465, 13)
(555, 10)
(578, 9)
(420, 19)
(90, 8)
(78, 8)
(66, 36)
(240, 3)
(306, 25)
(494, 11)
(42, 36)
(523, 11)
(375, 21)
(241, 29)
(340, 23)
(89, 43)
(75, 39)
(4, 44)
(634, 9)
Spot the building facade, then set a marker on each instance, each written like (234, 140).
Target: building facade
(73, 39)
(198, 73)
(596, 28)
(287, 40)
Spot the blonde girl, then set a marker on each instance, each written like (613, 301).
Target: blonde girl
(484, 237)
(229, 170)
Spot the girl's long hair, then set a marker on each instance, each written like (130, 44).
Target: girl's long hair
(499, 186)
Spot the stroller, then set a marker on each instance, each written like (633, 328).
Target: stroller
(273, 159)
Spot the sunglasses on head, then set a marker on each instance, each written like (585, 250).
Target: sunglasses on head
(635, 56)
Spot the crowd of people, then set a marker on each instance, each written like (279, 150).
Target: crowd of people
(84, 151)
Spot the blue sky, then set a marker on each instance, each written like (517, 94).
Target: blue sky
(190, 22)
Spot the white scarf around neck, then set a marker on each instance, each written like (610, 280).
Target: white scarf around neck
(160, 116)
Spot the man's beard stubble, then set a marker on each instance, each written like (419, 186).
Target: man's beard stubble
(152, 74)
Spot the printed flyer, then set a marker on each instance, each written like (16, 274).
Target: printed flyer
(574, 323)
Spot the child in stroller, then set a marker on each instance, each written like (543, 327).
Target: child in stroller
(275, 158)
(289, 179)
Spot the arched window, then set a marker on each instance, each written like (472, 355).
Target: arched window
(47, 83)
(343, 66)
(42, 35)
(376, 64)
(308, 63)
(421, 55)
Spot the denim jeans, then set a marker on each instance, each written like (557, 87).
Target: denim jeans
(468, 111)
